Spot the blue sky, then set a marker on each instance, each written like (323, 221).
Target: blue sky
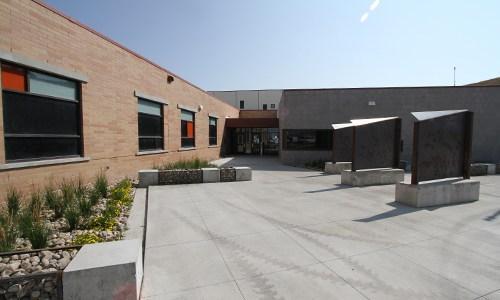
(260, 44)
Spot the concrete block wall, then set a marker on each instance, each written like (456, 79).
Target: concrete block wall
(109, 107)
(319, 108)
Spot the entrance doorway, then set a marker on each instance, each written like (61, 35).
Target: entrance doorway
(257, 141)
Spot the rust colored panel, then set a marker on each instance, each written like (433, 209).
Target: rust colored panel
(190, 129)
(13, 78)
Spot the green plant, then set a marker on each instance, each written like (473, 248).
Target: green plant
(38, 235)
(54, 201)
(80, 189)
(8, 236)
(25, 222)
(13, 202)
(101, 184)
(102, 223)
(86, 238)
(35, 206)
(94, 196)
(315, 164)
(195, 163)
(72, 215)
(68, 191)
(85, 207)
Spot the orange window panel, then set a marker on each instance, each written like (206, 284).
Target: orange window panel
(190, 129)
(13, 78)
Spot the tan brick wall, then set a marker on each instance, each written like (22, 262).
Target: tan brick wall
(108, 103)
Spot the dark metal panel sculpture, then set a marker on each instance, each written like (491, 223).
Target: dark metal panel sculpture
(442, 143)
(376, 143)
(342, 142)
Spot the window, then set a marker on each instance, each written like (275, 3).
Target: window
(264, 106)
(150, 125)
(242, 104)
(273, 106)
(41, 115)
(307, 139)
(187, 129)
(212, 131)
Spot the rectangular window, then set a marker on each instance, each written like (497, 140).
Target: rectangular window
(187, 129)
(307, 139)
(273, 105)
(150, 125)
(264, 106)
(39, 123)
(51, 86)
(242, 104)
(212, 131)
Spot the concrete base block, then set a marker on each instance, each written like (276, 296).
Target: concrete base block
(211, 174)
(243, 173)
(481, 169)
(372, 177)
(147, 178)
(438, 192)
(338, 167)
(110, 270)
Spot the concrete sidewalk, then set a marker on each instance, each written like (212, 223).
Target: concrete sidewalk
(297, 234)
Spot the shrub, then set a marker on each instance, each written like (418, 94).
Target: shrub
(54, 201)
(25, 222)
(103, 223)
(195, 163)
(86, 238)
(80, 189)
(94, 197)
(101, 184)
(72, 216)
(68, 191)
(35, 206)
(13, 203)
(8, 236)
(85, 207)
(39, 235)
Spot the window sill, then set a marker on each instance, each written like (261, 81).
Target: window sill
(187, 148)
(41, 163)
(151, 152)
(213, 146)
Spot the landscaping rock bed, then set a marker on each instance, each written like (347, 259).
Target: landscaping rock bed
(59, 221)
(45, 286)
(180, 176)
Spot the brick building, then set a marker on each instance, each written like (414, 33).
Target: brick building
(74, 102)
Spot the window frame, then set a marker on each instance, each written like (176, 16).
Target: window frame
(161, 117)
(210, 137)
(242, 104)
(264, 106)
(183, 138)
(80, 151)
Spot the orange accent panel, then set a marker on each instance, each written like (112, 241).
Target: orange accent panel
(13, 78)
(190, 129)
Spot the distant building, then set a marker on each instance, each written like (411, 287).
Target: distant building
(250, 99)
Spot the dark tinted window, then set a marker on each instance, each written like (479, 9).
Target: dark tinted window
(242, 104)
(307, 139)
(212, 131)
(150, 125)
(187, 129)
(44, 121)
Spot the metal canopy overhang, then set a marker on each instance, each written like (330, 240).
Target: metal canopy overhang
(252, 123)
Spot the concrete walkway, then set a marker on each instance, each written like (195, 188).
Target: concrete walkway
(298, 234)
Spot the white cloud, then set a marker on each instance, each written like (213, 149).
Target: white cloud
(374, 5)
(364, 17)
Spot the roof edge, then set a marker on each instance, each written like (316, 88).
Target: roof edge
(110, 40)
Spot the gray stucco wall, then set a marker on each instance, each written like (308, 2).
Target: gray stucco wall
(318, 109)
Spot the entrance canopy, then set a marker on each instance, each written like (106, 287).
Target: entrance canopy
(252, 123)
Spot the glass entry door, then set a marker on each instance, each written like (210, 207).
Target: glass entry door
(256, 141)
